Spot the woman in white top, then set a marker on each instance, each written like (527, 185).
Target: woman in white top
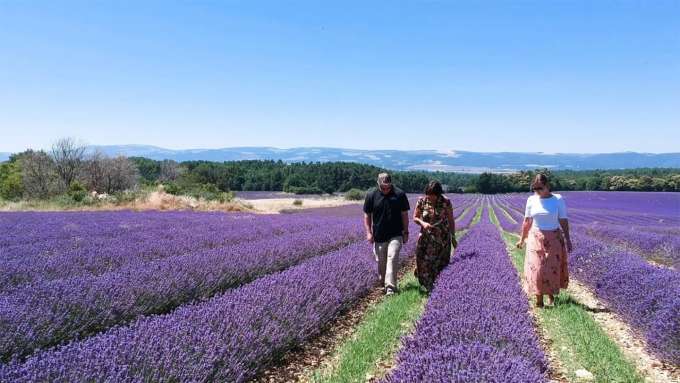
(547, 229)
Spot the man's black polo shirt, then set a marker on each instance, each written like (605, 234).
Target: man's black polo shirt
(386, 212)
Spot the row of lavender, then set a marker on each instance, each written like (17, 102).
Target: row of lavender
(662, 247)
(231, 337)
(642, 209)
(99, 271)
(48, 313)
(96, 243)
(476, 325)
(647, 296)
(655, 237)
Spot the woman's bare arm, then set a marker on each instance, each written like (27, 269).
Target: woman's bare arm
(417, 215)
(452, 227)
(526, 225)
(452, 221)
(565, 229)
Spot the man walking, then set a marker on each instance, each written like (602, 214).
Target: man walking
(386, 222)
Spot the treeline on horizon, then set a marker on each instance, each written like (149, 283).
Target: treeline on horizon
(69, 172)
(331, 177)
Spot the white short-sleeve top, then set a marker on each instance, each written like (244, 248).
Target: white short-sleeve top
(546, 212)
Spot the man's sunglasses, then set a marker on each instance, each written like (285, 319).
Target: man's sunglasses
(538, 188)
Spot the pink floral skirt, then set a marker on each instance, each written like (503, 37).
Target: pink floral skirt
(545, 263)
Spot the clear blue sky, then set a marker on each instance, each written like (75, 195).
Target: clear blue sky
(553, 76)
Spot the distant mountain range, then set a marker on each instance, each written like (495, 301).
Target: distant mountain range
(453, 161)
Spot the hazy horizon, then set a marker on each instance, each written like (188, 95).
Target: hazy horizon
(452, 150)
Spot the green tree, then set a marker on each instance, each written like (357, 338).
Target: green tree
(11, 183)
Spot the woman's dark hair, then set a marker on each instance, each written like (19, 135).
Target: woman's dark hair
(434, 187)
(540, 179)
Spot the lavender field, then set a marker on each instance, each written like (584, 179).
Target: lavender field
(206, 296)
(627, 251)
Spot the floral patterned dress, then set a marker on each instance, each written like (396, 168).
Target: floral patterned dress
(545, 263)
(433, 249)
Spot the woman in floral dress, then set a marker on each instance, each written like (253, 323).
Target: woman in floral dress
(434, 215)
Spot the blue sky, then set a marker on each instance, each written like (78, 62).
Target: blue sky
(552, 76)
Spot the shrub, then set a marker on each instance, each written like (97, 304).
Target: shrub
(11, 183)
(172, 188)
(127, 196)
(225, 197)
(206, 191)
(355, 194)
(77, 191)
(297, 202)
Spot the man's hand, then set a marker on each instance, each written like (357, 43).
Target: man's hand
(426, 226)
(520, 244)
(369, 237)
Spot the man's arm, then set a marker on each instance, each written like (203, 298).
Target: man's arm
(404, 217)
(404, 222)
(368, 217)
(564, 222)
(368, 225)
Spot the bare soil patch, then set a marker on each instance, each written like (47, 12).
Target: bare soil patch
(278, 205)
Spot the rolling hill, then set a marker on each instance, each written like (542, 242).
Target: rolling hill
(453, 160)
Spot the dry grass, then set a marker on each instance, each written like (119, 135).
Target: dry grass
(155, 200)
(160, 200)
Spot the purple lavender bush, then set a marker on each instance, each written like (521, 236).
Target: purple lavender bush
(47, 246)
(658, 246)
(476, 326)
(464, 221)
(45, 314)
(646, 296)
(505, 222)
(230, 338)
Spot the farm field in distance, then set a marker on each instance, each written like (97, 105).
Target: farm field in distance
(185, 296)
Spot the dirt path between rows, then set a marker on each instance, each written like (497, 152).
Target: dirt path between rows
(297, 364)
(555, 368)
(630, 343)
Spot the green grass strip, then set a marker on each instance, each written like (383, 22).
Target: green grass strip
(376, 339)
(492, 215)
(461, 215)
(577, 340)
(478, 215)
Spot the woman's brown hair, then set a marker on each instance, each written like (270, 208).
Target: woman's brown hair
(434, 187)
(540, 179)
